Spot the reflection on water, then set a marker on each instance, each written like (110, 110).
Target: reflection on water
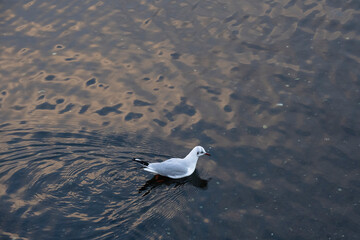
(158, 180)
(270, 88)
(79, 185)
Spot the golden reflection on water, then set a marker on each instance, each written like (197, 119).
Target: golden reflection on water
(132, 57)
(237, 74)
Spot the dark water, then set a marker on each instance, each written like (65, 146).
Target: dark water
(269, 88)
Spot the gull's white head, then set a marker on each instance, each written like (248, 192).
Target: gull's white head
(199, 151)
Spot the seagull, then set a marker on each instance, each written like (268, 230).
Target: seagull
(175, 167)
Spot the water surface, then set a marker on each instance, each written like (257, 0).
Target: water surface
(270, 89)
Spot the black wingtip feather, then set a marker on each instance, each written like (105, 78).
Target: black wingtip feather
(141, 161)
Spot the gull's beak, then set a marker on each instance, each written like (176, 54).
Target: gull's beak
(207, 154)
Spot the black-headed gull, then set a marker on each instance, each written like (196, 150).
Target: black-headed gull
(175, 167)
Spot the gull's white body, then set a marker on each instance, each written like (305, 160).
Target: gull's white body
(176, 167)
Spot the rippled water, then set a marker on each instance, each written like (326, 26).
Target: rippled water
(80, 185)
(269, 88)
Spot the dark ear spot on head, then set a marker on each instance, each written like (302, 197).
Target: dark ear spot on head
(197, 153)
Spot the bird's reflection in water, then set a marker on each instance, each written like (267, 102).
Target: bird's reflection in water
(158, 180)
